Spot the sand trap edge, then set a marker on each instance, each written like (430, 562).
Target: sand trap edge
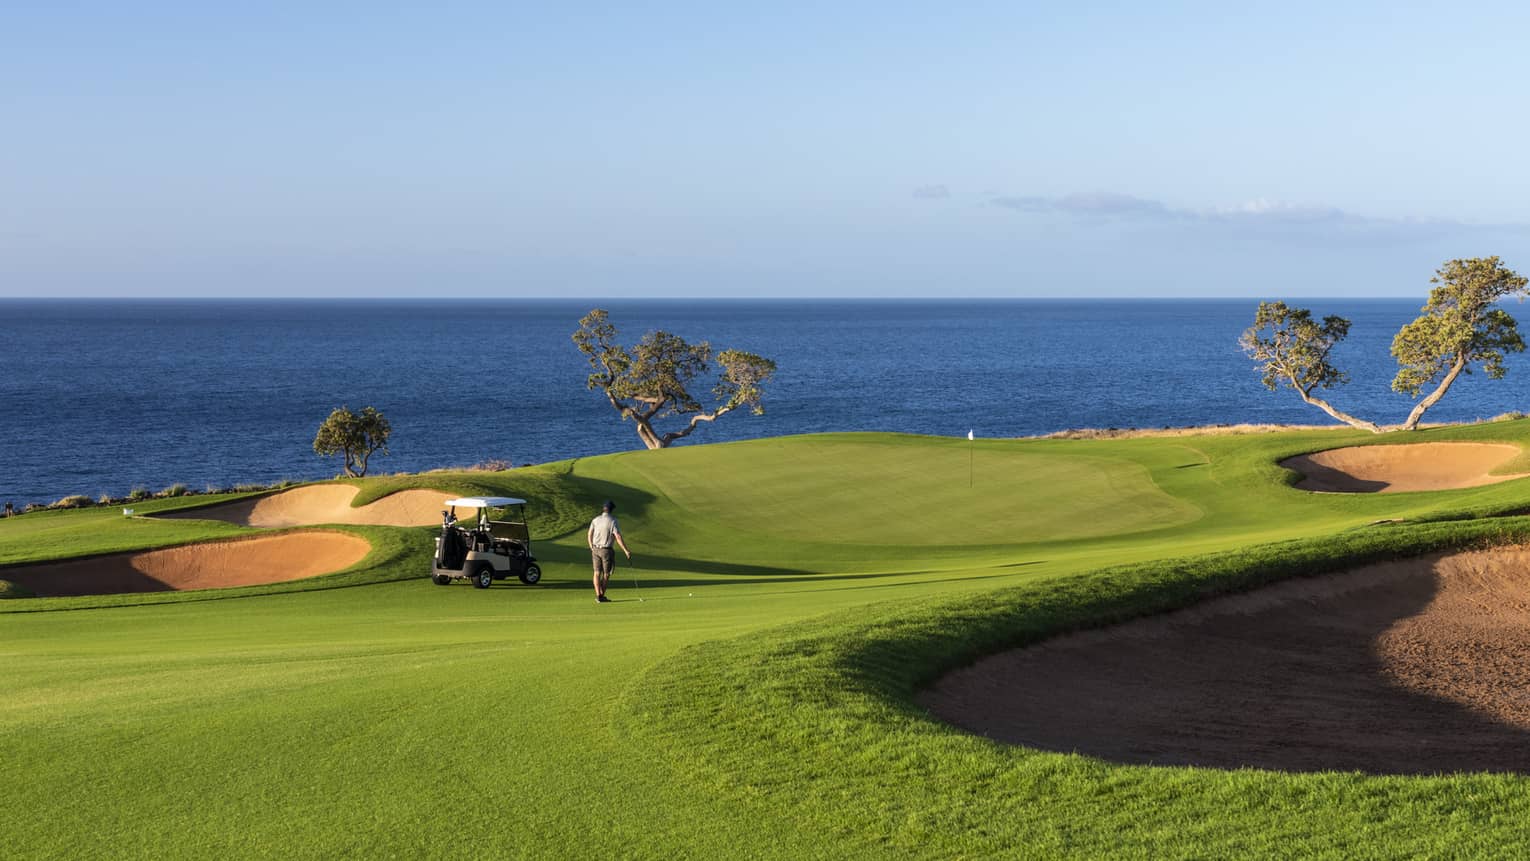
(225, 563)
(1489, 722)
(1403, 467)
(321, 504)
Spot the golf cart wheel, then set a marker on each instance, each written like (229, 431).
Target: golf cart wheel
(531, 575)
(485, 577)
(441, 579)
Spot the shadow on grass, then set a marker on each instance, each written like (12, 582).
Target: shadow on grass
(900, 574)
(581, 556)
(739, 574)
(630, 501)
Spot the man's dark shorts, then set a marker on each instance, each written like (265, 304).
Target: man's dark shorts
(604, 559)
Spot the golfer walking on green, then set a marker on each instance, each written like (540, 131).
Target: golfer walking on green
(603, 531)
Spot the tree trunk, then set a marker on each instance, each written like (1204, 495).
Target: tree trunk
(694, 423)
(1341, 416)
(643, 419)
(653, 439)
(1434, 396)
(647, 434)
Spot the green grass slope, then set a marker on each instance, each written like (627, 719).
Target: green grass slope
(756, 703)
(813, 488)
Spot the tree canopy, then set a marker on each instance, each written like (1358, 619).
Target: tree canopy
(1292, 349)
(1459, 326)
(652, 380)
(355, 435)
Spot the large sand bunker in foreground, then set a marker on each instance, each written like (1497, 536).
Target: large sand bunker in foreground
(213, 565)
(1401, 468)
(324, 503)
(1412, 667)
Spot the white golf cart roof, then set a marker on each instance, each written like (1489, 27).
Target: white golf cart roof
(484, 501)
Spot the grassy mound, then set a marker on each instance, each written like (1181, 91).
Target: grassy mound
(557, 504)
(929, 490)
(756, 702)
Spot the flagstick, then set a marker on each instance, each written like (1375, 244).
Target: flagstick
(969, 461)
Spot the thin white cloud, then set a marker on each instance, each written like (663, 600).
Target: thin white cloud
(932, 192)
(1258, 218)
(1277, 211)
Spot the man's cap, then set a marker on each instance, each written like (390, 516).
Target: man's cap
(609, 505)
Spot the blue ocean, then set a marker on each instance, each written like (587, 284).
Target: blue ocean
(98, 397)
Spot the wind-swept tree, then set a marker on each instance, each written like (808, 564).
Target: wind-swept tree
(652, 380)
(355, 435)
(1292, 349)
(1460, 326)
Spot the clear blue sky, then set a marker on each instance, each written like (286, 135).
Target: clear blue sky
(845, 149)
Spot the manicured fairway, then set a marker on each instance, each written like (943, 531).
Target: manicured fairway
(757, 703)
(811, 488)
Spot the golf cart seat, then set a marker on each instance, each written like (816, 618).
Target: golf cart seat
(510, 547)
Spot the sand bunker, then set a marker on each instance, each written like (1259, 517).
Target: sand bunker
(1414, 667)
(325, 503)
(1400, 468)
(214, 565)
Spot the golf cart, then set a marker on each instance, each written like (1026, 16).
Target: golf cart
(497, 546)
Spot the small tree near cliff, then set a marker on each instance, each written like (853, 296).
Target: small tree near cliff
(1459, 327)
(355, 435)
(652, 380)
(1292, 349)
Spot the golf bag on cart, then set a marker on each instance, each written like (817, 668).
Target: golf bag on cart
(452, 550)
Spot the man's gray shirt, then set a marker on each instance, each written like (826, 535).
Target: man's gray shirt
(603, 531)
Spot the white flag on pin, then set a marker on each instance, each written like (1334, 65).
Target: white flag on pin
(969, 435)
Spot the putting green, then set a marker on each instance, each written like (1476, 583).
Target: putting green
(879, 489)
(758, 703)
